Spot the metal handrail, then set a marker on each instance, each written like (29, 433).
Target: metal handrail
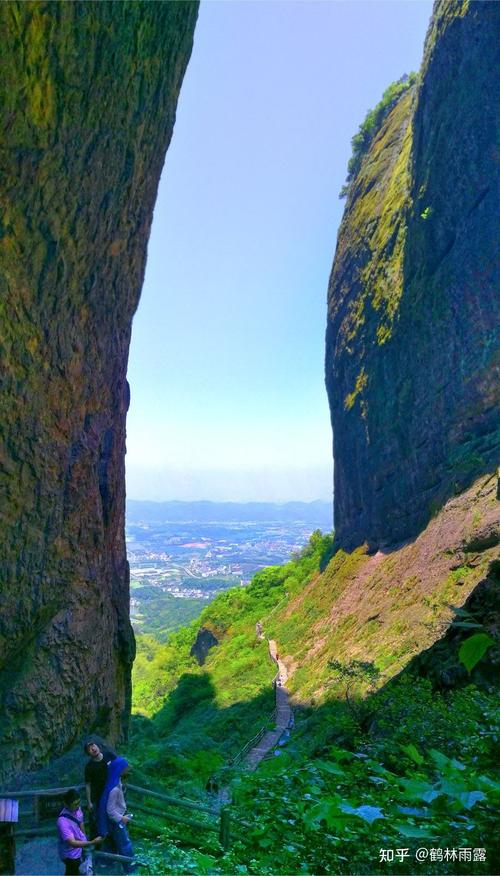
(246, 748)
(123, 859)
(40, 792)
(255, 739)
(223, 826)
(167, 798)
(275, 608)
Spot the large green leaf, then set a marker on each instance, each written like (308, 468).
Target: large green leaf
(367, 813)
(332, 768)
(473, 649)
(470, 798)
(414, 753)
(445, 763)
(326, 810)
(411, 830)
(416, 789)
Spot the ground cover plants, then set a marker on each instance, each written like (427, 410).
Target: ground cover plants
(418, 774)
(189, 716)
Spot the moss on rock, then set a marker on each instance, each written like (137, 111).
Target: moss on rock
(413, 305)
(89, 92)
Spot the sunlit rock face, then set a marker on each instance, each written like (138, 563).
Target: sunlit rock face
(89, 93)
(413, 303)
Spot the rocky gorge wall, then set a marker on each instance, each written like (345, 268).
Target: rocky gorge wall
(89, 93)
(413, 304)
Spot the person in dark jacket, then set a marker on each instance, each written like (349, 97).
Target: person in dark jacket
(71, 830)
(96, 775)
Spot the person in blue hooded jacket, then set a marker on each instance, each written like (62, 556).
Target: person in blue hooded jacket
(112, 816)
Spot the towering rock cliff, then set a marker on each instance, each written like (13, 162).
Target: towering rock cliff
(413, 304)
(88, 96)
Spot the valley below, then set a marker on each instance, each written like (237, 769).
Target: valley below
(182, 555)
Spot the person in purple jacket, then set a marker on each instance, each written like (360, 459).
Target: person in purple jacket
(70, 828)
(112, 815)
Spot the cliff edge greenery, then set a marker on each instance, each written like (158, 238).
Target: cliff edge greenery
(371, 125)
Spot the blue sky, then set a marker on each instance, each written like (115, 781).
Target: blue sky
(226, 361)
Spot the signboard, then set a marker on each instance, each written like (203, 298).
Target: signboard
(49, 806)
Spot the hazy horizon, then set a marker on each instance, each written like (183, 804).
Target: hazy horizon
(278, 486)
(227, 502)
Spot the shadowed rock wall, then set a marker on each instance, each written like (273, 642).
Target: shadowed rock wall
(205, 640)
(88, 96)
(413, 305)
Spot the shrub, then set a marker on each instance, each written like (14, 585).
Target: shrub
(371, 125)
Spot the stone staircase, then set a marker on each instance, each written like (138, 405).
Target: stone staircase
(271, 738)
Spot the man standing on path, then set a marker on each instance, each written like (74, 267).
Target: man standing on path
(96, 774)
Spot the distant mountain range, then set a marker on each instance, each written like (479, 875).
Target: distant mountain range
(318, 514)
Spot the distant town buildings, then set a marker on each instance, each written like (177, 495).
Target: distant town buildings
(197, 561)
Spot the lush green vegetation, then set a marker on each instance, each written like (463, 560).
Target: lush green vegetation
(190, 719)
(400, 773)
(403, 765)
(385, 787)
(371, 125)
(244, 667)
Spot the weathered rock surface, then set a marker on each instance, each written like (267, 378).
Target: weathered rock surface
(413, 307)
(88, 93)
(391, 607)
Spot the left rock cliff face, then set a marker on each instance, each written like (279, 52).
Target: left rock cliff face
(89, 93)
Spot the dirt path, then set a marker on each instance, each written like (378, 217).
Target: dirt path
(38, 857)
(283, 714)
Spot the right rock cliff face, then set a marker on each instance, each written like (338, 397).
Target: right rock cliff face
(412, 350)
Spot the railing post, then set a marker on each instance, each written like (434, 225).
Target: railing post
(9, 813)
(36, 809)
(224, 833)
(7, 849)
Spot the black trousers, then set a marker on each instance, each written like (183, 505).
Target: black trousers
(72, 865)
(92, 822)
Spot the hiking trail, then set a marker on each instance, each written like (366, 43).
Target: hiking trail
(271, 738)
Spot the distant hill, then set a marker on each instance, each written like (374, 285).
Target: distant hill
(318, 514)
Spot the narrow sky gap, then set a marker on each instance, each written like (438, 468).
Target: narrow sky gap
(226, 362)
